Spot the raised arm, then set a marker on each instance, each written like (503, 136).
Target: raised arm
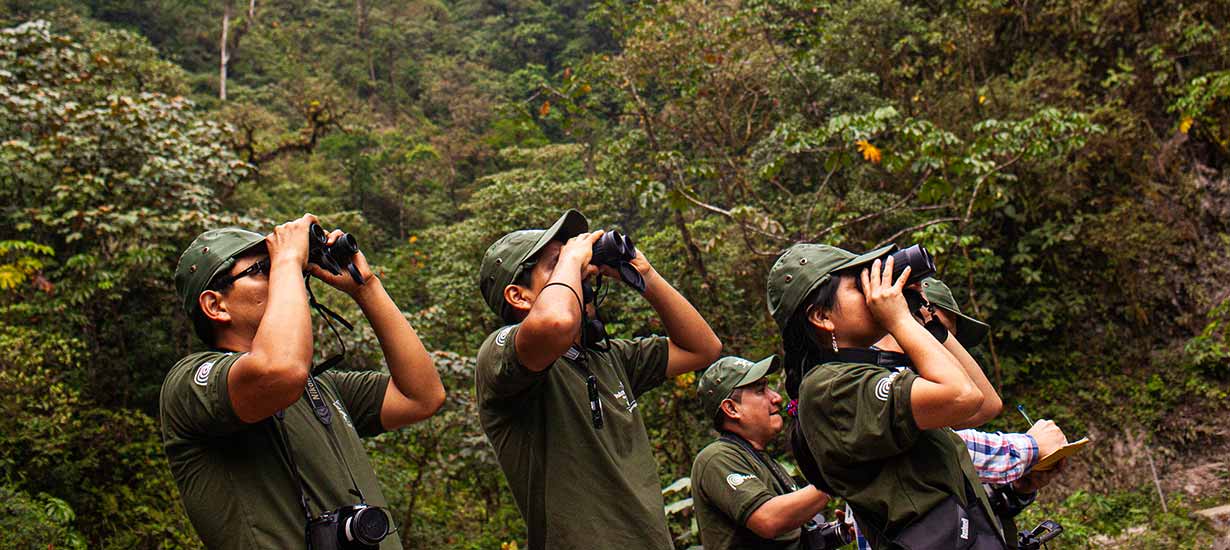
(414, 391)
(271, 375)
(943, 395)
(991, 402)
(554, 320)
(693, 344)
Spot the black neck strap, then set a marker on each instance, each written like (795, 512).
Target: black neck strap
(872, 356)
(326, 314)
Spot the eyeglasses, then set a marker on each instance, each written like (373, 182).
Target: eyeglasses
(252, 270)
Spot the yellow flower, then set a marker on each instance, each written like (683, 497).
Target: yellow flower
(869, 151)
(982, 99)
(414, 239)
(685, 380)
(509, 545)
(1186, 124)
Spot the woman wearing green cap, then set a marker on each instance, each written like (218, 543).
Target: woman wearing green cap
(867, 431)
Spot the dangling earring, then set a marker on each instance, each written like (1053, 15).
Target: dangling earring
(834, 335)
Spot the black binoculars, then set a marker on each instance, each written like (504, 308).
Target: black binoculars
(333, 257)
(617, 250)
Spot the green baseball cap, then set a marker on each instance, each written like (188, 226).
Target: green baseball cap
(804, 267)
(506, 257)
(970, 331)
(211, 253)
(728, 373)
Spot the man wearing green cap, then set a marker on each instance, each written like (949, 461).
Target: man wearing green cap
(252, 456)
(742, 497)
(563, 417)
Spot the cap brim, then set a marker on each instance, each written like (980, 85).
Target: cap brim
(569, 225)
(867, 258)
(970, 331)
(760, 369)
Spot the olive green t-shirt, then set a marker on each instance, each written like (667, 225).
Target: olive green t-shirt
(576, 486)
(728, 485)
(860, 428)
(234, 478)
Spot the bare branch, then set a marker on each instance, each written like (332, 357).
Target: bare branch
(916, 228)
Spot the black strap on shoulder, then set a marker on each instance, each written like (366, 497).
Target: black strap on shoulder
(871, 356)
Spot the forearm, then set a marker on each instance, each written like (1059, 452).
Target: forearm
(991, 402)
(412, 372)
(685, 327)
(284, 338)
(554, 322)
(944, 395)
(783, 513)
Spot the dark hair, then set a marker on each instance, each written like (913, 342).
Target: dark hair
(802, 349)
(720, 417)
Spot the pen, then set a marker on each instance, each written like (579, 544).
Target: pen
(1021, 408)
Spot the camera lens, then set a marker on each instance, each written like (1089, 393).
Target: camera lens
(368, 526)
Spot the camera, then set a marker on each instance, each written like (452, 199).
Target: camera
(825, 536)
(617, 250)
(336, 257)
(353, 527)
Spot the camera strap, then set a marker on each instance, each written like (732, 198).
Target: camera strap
(284, 439)
(326, 313)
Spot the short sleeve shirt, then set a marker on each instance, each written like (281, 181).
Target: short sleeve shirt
(235, 478)
(728, 485)
(860, 428)
(576, 486)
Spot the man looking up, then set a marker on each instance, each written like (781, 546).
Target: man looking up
(248, 480)
(563, 418)
(742, 497)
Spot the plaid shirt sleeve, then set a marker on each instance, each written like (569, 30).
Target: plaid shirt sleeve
(1000, 457)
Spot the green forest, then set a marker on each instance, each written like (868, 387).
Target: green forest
(1066, 162)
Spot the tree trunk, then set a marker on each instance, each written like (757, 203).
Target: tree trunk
(251, 10)
(224, 57)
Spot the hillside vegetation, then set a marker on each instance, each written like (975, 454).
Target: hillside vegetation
(1066, 162)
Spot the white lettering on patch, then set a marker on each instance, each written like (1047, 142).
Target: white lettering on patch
(735, 480)
(337, 404)
(202, 373)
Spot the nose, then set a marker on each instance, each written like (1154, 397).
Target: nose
(775, 398)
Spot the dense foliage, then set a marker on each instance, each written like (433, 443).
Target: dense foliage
(1066, 161)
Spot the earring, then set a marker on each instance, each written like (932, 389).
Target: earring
(834, 335)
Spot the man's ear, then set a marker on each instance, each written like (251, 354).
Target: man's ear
(213, 306)
(519, 298)
(729, 409)
(820, 319)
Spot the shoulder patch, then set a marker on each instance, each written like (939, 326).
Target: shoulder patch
(736, 479)
(202, 373)
(502, 337)
(885, 386)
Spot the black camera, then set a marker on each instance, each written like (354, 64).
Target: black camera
(617, 250)
(354, 527)
(336, 257)
(825, 536)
